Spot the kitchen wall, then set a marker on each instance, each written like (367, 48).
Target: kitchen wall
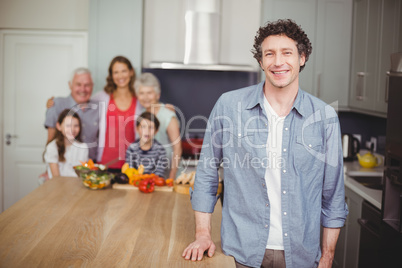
(44, 14)
(115, 28)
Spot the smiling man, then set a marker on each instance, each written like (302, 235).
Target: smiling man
(81, 86)
(283, 165)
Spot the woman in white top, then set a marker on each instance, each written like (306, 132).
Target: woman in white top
(148, 91)
(66, 150)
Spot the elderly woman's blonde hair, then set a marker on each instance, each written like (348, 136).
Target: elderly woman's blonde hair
(147, 80)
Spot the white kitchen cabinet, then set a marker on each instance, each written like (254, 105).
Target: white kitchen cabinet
(376, 34)
(328, 25)
(164, 32)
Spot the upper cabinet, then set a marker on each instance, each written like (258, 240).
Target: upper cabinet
(236, 23)
(328, 25)
(376, 35)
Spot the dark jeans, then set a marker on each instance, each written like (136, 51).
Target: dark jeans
(272, 259)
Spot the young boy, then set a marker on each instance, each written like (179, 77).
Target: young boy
(146, 150)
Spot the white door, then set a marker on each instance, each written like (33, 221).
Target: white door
(35, 66)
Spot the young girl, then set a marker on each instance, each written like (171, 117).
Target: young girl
(66, 149)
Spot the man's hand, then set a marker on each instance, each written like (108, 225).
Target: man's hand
(195, 251)
(325, 262)
(50, 103)
(329, 239)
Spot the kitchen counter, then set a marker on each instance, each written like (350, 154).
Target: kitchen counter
(371, 195)
(64, 224)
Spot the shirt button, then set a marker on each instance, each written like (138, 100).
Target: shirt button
(284, 192)
(239, 135)
(284, 150)
(309, 145)
(266, 124)
(266, 205)
(266, 226)
(284, 213)
(284, 171)
(263, 184)
(286, 129)
(286, 234)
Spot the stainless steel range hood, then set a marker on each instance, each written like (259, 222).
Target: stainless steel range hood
(205, 67)
(202, 40)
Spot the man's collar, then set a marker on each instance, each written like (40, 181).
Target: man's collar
(257, 98)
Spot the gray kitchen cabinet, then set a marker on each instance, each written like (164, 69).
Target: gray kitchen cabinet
(328, 25)
(376, 31)
(347, 248)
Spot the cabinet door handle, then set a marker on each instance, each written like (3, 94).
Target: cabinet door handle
(386, 88)
(365, 225)
(360, 85)
(9, 137)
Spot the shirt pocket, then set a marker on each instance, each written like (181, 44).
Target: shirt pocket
(308, 153)
(241, 146)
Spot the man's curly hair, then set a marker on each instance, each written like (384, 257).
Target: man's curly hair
(283, 27)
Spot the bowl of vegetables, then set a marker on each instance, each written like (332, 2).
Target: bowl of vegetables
(94, 176)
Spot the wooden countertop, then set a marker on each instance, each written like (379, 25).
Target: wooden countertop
(64, 224)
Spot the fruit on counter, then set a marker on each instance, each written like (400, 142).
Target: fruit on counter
(132, 172)
(96, 181)
(159, 181)
(169, 182)
(121, 178)
(90, 165)
(146, 186)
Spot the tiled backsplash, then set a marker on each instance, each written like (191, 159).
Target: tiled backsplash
(365, 125)
(194, 92)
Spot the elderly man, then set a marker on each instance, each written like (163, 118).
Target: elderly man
(81, 90)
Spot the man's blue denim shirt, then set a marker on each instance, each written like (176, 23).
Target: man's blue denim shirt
(312, 181)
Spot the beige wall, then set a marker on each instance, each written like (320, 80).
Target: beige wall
(44, 14)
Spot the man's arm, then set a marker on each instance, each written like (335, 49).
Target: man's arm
(51, 131)
(329, 239)
(203, 240)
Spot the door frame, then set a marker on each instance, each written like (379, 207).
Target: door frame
(3, 34)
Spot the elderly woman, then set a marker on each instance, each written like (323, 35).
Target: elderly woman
(148, 91)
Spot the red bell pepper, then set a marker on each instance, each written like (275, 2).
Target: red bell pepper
(147, 186)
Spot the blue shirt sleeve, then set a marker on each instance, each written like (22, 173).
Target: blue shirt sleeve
(204, 195)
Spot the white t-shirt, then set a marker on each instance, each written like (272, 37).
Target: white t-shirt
(75, 153)
(273, 176)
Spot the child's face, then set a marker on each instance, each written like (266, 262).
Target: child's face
(70, 127)
(146, 130)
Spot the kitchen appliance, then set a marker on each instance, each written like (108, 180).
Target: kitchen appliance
(392, 196)
(392, 192)
(191, 148)
(350, 147)
(369, 248)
